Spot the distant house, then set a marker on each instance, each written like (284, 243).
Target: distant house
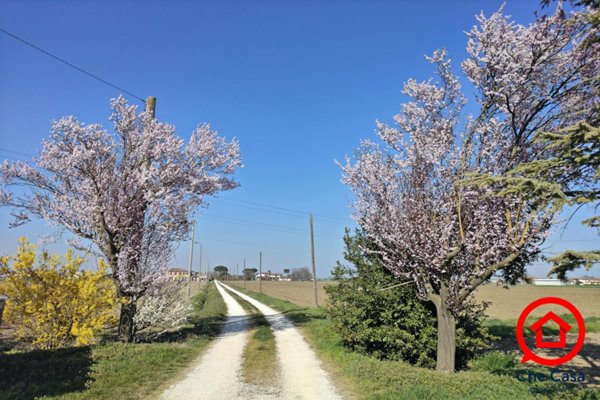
(548, 282)
(261, 277)
(176, 274)
(587, 281)
(268, 276)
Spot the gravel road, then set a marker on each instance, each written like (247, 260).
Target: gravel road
(302, 374)
(217, 374)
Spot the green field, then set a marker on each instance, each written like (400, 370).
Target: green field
(300, 293)
(508, 303)
(504, 303)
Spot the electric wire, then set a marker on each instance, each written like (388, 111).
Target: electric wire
(272, 227)
(4, 150)
(248, 204)
(280, 228)
(96, 77)
(287, 210)
(8, 157)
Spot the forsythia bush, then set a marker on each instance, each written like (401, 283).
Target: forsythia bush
(55, 304)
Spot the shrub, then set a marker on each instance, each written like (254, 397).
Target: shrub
(393, 323)
(55, 304)
(163, 308)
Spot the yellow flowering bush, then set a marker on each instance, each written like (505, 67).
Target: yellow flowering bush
(55, 303)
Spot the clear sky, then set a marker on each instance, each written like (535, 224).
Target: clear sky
(299, 83)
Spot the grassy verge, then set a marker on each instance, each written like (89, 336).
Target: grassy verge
(260, 358)
(370, 378)
(113, 370)
(260, 365)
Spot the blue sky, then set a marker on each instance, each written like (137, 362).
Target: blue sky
(299, 83)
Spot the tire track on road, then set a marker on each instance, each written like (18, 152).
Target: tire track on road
(217, 374)
(302, 374)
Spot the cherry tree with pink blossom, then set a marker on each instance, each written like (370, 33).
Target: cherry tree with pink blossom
(432, 228)
(130, 192)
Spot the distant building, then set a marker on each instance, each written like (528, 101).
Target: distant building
(548, 282)
(268, 276)
(176, 274)
(586, 281)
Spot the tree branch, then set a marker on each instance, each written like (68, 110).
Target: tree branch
(489, 271)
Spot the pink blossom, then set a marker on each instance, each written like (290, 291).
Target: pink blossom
(130, 191)
(410, 195)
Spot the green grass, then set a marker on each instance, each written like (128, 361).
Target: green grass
(259, 365)
(364, 377)
(495, 362)
(114, 370)
(501, 363)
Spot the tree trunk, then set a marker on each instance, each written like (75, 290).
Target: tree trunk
(126, 329)
(2, 303)
(446, 345)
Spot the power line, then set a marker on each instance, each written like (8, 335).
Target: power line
(279, 228)
(252, 223)
(15, 152)
(573, 240)
(262, 209)
(96, 77)
(14, 158)
(203, 238)
(239, 203)
(287, 210)
(269, 245)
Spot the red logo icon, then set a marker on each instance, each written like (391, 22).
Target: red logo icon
(563, 326)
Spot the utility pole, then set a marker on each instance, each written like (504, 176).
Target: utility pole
(191, 259)
(200, 264)
(207, 265)
(260, 272)
(237, 277)
(150, 110)
(151, 106)
(314, 268)
(244, 272)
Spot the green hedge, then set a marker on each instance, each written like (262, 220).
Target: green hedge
(392, 324)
